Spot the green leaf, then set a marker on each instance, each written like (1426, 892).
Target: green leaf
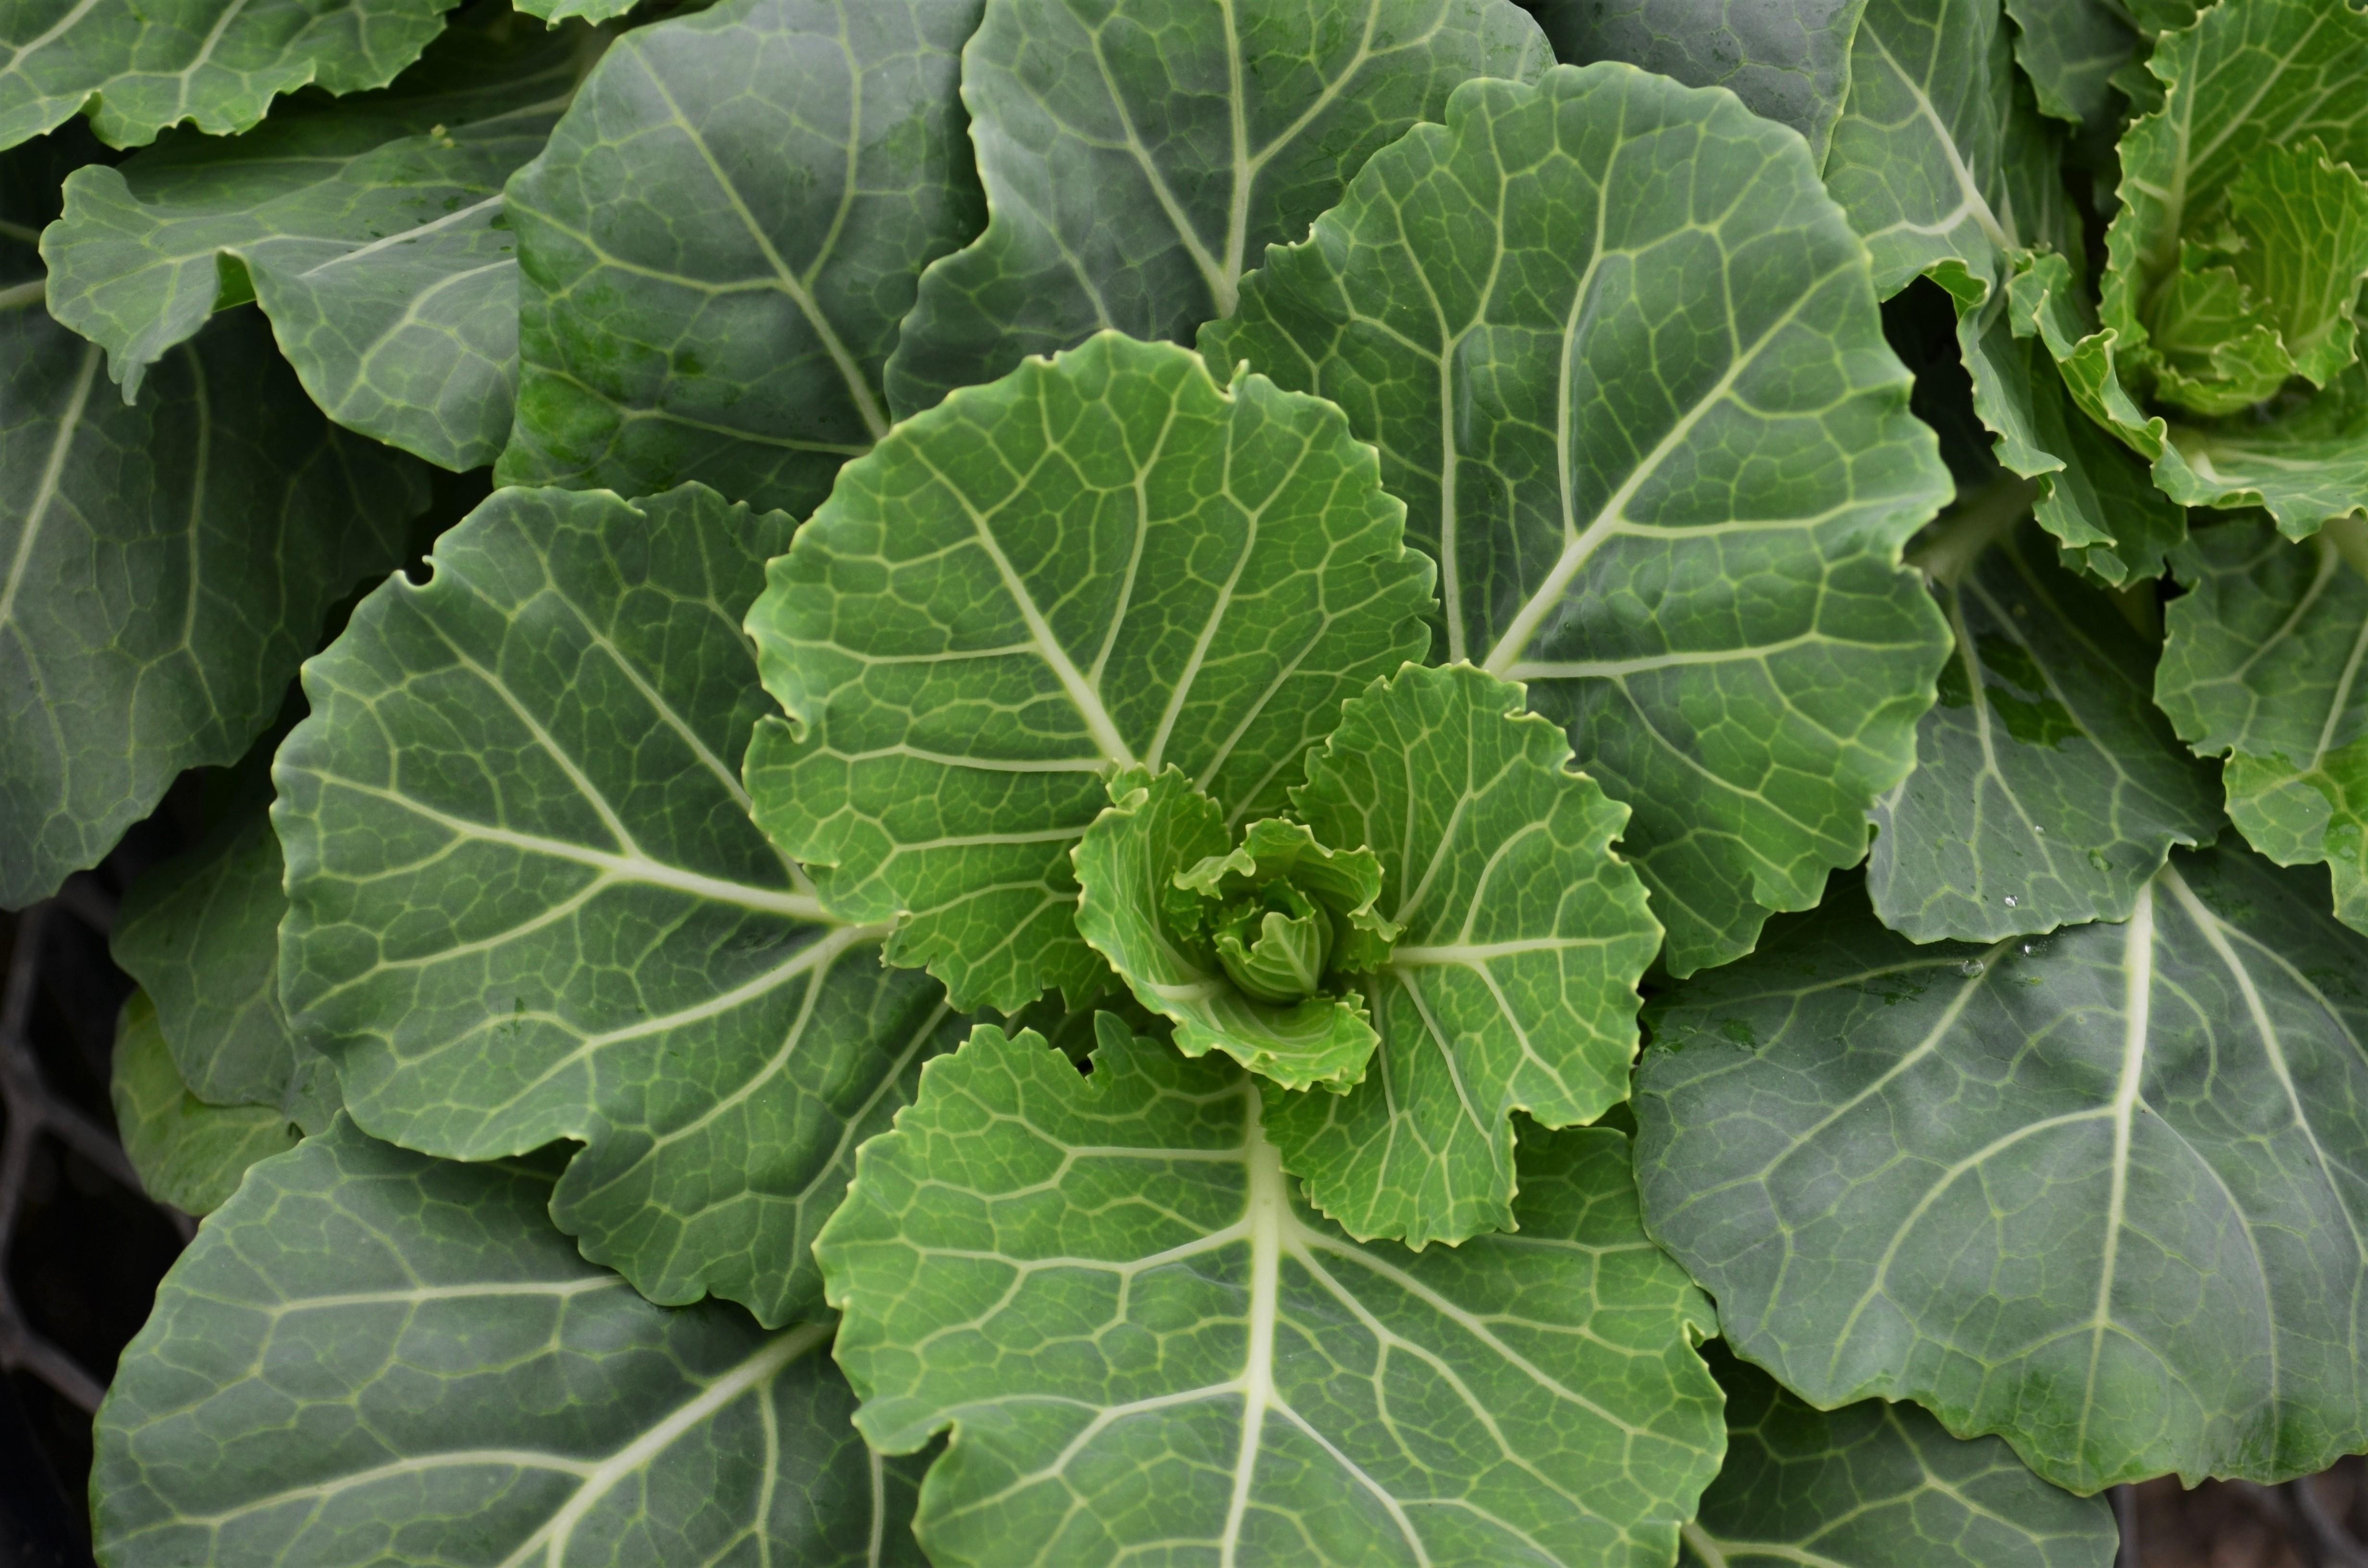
(370, 230)
(2090, 1192)
(1145, 1348)
(2047, 788)
(1513, 987)
(2261, 666)
(163, 568)
(526, 900)
(1788, 61)
(1688, 550)
(557, 11)
(1875, 1486)
(2070, 50)
(190, 1153)
(717, 247)
(136, 68)
(201, 934)
(370, 1357)
(1138, 909)
(2306, 462)
(1101, 562)
(1138, 159)
(1940, 156)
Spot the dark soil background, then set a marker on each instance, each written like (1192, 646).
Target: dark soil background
(81, 1250)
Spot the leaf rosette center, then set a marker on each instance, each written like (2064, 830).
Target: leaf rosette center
(1282, 916)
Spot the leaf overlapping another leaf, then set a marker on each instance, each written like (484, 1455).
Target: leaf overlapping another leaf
(1649, 429)
(718, 245)
(189, 1153)
(2093, 1192)
(1138, 158)
(370, 230)
(1145, 1348)
(527, 902)
(368, 1356)
(1099, 562)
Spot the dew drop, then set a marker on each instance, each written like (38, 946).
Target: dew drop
(2011, 901)
(2040, 831)
(1971, 969)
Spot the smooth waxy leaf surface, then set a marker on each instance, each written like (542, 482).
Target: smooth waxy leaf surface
(189, 1153)
(1875, 1486)
(527, 902)
(2261, 666)
(1651, 431)
(1130, 909)
(1138, 159)
(1101, 562)
(2070, 50)
(201, 936)
(718, 245)
(216, 64)
(1146, 1348)
(371, 230)
(1513, 981)
(1788, 61)
(163, 568)
(2048, 789)
(2091, 1192)
(370, 1356)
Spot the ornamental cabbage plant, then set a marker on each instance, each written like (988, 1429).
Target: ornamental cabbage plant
(1231, 781)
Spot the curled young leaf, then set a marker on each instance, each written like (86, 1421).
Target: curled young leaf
(1513, 983)
(1144, 1346)
(1099, 562)
(1168, 899)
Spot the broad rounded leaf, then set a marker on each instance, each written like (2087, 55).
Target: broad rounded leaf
(370, 1357)
(2048, 789)
(201, 934)
(137, 68)
(2070, 50)
(1679, 466)
(2093, 1192)
(1513, 985)
(2261, 665)
(1876, 1486)
(370, 229)
(717, 246)
(1145, 1348)
(189, 1153)
(1128, 865)
(1099, 562)
(163, 570)
(526, 900)
(1138, 158)
(1789, 61)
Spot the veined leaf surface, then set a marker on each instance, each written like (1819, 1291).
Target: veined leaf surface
(189, 1153)
(527, 902)
(1513, 984)
(214, 63)
(2070, 50)
(2048, 789)
(371, 230)
(718, 245)
(370, 1356)
(1102, 562)
(1651, 431)
(1876, 1486)
(1139, 159)
(2093, 1192)
(1789, 60)
(2261, 666)
(1144, 1346)
(163, 568)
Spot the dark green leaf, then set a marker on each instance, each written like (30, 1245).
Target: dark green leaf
(527, 902)
(718, 245)
(2093, 1192)
(1138, 159)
